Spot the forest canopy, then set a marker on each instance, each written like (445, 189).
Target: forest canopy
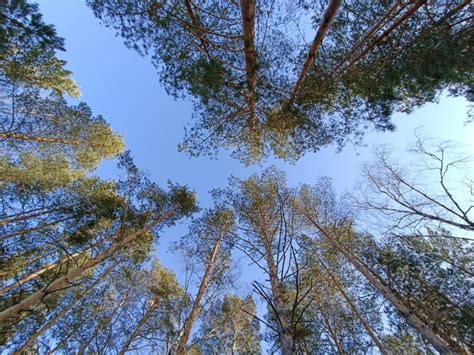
(259, 88)
(386, 268)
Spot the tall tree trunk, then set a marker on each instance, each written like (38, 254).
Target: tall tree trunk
(28, 137)
(284, 325)
(58, 284)
(355, 310)
(39, 272)
(438, 343)
(153, 304)
(329, 15)
(248, 35)
(65, 310)
(188, 324)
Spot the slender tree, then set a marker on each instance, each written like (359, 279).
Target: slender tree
(208, 242)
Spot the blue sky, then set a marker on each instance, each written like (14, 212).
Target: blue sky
(122, 86)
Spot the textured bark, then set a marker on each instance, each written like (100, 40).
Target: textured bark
(329, 15)
(61, 282)
(153, 304)
(438, 343)
(188, 324)
(65, 310)
(248, 35)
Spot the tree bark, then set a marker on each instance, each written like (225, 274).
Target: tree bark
(329, 15)
(188, 324)
(248, 35)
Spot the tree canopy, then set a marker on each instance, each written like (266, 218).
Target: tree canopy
(260, 89)
(387, 268)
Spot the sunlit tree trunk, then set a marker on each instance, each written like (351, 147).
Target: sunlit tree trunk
(356, 312)
(188, 324)
(248, 35)
(39, 272)
(329, 15)
(284, 324)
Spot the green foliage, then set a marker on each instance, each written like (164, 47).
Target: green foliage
(55, 143)
(229, 327)
(28, 49)
(349, 89)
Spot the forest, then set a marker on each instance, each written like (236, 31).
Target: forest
(386, 267)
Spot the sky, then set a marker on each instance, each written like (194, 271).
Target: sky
(124, 87)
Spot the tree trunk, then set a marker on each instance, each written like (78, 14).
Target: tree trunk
(438, 343)
(248, 35)
(58, 284)
(355, 310)
(329, 15)
(140, 324)
(188, 324)
(66, 309)
(38, 273)
(284, 325)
